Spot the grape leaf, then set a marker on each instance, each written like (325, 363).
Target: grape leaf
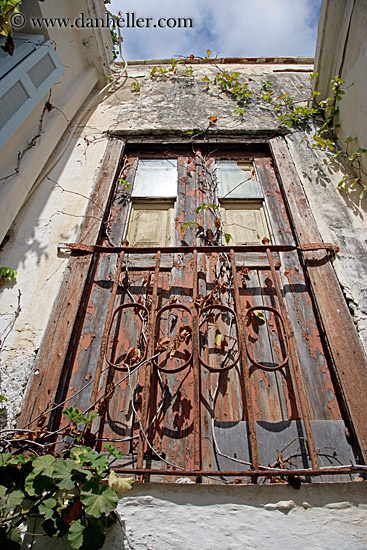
(98, 499)
(76, 534)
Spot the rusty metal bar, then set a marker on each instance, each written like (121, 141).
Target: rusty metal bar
(246, 473)
(92, 249)
(297, 379)
(245, 368)
(196, 367)
(149, 368)
(102, 350)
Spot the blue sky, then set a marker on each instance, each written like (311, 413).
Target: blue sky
(243, 28)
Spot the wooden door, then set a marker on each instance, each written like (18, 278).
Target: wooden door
(197, 372)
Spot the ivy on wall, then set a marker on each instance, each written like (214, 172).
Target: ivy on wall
(292, 113)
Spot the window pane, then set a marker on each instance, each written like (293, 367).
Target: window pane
(156, 178)
(237, 180)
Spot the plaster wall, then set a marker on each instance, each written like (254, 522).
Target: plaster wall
(191, 517)
(342, 50)
(52, 215)
(85, 68)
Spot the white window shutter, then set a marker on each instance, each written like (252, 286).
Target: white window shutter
(23, 87)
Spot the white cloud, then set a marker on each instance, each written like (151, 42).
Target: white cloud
(244, 28)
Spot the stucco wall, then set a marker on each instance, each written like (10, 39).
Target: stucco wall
(342, 51)
(78, 50)
(193, 517)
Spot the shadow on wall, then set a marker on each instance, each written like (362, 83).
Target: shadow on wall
(28, 236)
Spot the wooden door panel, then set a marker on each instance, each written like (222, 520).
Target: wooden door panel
(224, 409)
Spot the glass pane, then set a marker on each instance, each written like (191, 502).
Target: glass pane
(156, 178)
(237, 180)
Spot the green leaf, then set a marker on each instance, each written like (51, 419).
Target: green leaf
(5, 459)
(63, 473)
(98, 499)
(76, 534)
(95, 460)
(44, 465)
(10, 538)
(72, 413)
(227, 237)
(8, 273)
(55, 528)
(41, 477)
(47, 508)
(260, 315)
(3, 500)
(109, 520)
(112, 451)
(186, 224)
(2, 398)
(94, 537)
(15, 498)
(203, 206)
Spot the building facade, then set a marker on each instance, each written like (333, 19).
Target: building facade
(196, 276)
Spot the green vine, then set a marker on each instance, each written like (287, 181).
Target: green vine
(213, 209)
(72, 494)
(7, 274)
(290, 112)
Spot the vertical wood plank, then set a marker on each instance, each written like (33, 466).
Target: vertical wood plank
(346, 349)
(43, 385)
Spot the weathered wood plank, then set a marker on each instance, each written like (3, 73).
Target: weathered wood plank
(82, 367)
(316, 377)
(55, 344)
(348, 355)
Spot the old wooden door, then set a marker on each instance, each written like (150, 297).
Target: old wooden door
(211, 357)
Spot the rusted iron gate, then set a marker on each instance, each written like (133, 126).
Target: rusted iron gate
(149, 358)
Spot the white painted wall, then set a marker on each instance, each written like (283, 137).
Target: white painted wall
(199, 517)
(86, 65)
(342, 50)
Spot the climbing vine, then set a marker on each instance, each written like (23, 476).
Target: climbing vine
(291, 113)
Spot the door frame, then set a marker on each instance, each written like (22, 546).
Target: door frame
(348, 357)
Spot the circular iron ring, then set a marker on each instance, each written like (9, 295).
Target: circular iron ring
(221, 307)
(117, 310)
(285, 338)
(158, 316)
